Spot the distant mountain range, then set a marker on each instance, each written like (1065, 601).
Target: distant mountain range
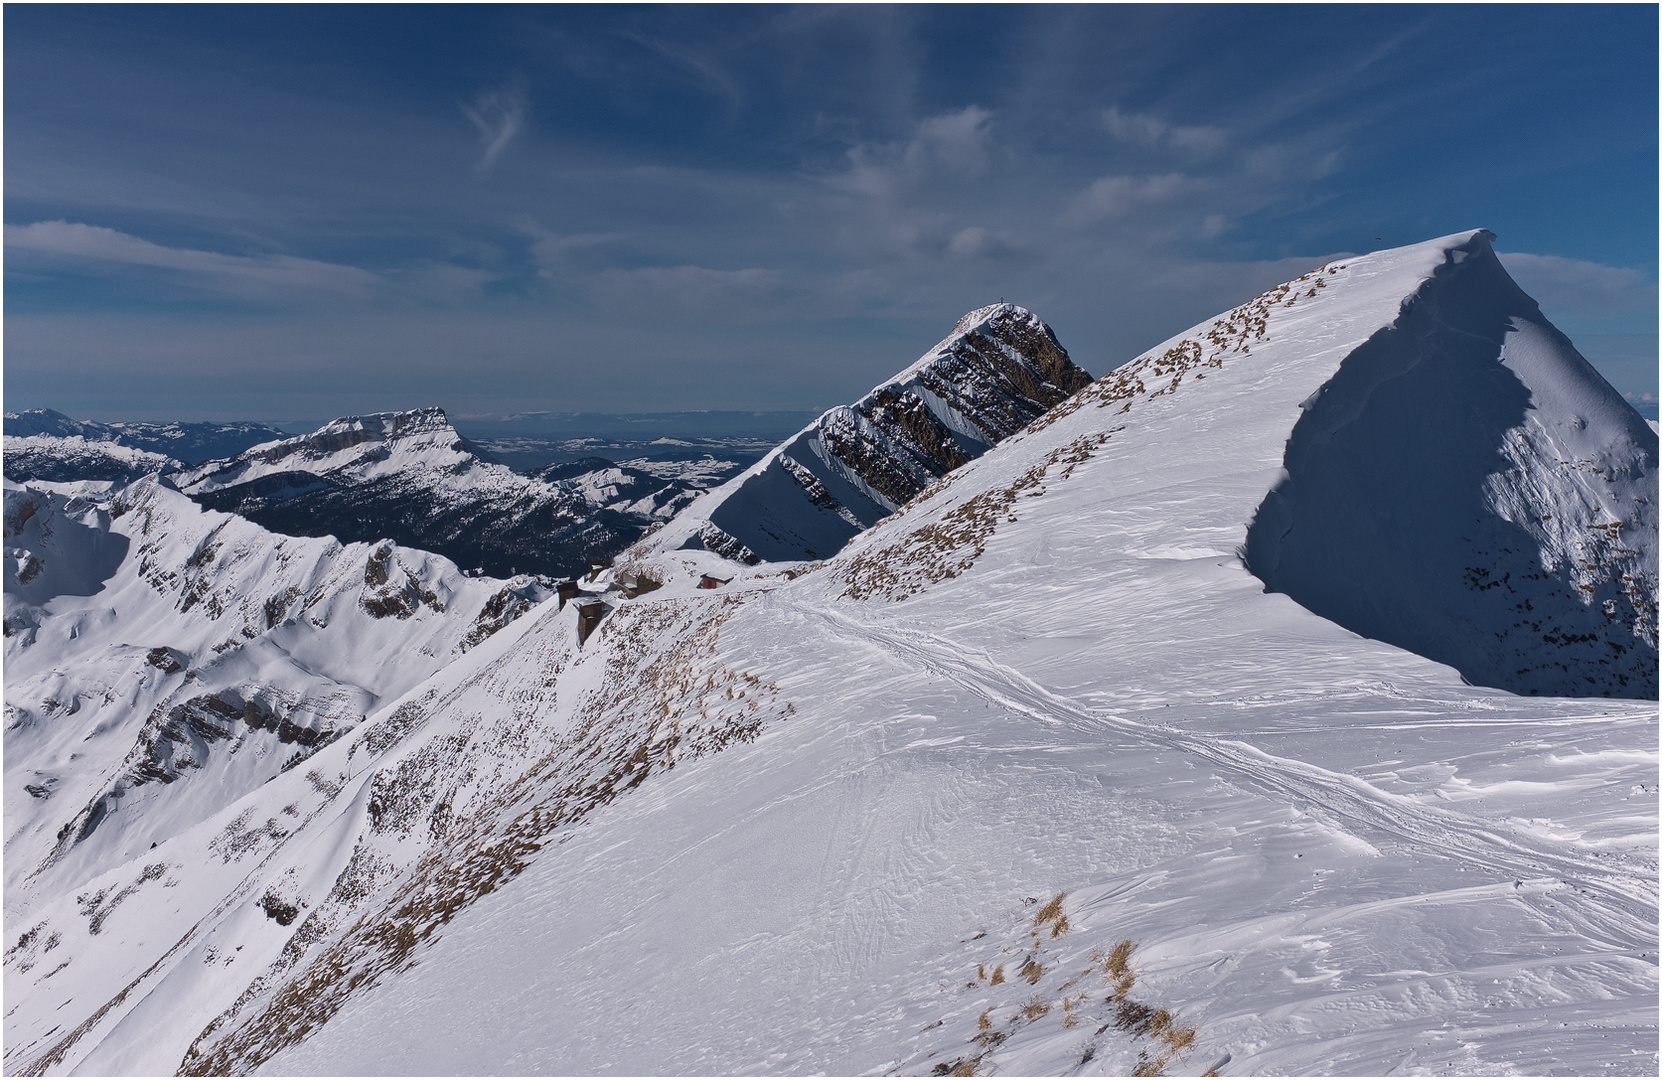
(41, 444)
(407, 476)
(411, 478)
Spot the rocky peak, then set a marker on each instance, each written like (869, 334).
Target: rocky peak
(1000, 369)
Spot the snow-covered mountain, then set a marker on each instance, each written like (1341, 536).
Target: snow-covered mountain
(1034, 776)
(41, 444)
(67, 459)
(410, 477)
(999, 369)
(162, 661)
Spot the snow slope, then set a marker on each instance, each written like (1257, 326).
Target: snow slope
(1033, 777)
(410, 477)
(162, 661)
(999, 369)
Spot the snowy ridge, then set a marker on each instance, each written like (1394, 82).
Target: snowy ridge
(41, 444)
(376, 445)
(1033, 777)
(77, 457)
(999, 369)
(162, 661)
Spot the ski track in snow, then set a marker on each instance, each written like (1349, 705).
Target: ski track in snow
(1625, 914)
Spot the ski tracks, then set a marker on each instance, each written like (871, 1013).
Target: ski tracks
(1616, 901)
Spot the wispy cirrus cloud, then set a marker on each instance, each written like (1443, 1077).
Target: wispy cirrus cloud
(249, 276)
(1117, 196)
(1147, 130)
(954, 145)
(499, 115)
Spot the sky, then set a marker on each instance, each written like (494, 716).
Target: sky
(289, 213)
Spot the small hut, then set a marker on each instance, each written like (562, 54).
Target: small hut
(589, 614)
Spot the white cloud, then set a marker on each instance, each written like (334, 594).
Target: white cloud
(242, 275)
(499, 115)
(692, 292)
(977, 242)
(954, 145)
(1574, 288)
(960, 142)
(1141, 129)
(1118, 196)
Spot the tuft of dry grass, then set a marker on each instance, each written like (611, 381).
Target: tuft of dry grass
(1118, 963)
(1034, 1007)
(1032, 971)
(998, 975)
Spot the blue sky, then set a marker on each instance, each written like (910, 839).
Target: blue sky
(290, 213)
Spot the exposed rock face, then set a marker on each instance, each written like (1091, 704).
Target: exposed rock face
(410, 477)
(999, 369)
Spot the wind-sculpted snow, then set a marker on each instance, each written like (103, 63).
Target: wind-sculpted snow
(1034, 777)
(163, 661)
(999, 369)
(411, 478)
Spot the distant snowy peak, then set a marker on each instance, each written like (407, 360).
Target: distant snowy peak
(410, 477)
(999, 369)
(378, 443)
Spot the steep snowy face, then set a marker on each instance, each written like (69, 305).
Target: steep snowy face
(999, 369)
(41, 444)
(410, 477)
(1467, 487)
(162, 661)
